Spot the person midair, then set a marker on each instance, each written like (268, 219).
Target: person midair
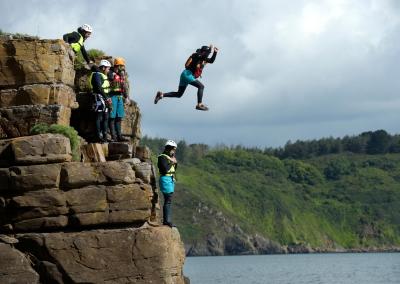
(119, 95)
(77, 39)
(193, 69)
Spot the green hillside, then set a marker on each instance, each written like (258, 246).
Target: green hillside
(346, 200)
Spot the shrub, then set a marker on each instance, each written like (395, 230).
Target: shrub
(303, 173)
(93, 55)
(67, 131)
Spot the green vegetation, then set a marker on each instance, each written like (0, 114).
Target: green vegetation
(343, 199)
(67, 131)
(17, 35)
(93, 55)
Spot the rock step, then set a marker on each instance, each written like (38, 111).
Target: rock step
(35, 61)
(35, 149)
(18, 120)
(53, 94)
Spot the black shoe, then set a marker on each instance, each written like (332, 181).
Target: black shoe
(202, 107)
(158, 97)
(169, 224)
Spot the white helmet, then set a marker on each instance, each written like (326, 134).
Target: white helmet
(105, 63)
(171, 143)
(87, 28)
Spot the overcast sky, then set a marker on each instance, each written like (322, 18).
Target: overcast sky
(286, 69)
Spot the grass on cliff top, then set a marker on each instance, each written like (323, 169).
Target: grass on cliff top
(17, 35)
(67, 131)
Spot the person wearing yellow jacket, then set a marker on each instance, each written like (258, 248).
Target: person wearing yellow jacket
(102, 103)
(167, 165)
(77, 39)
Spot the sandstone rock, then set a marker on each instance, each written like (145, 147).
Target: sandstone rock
(42, 148)
(129, 203)
(36, 204)
(143, 255)
(34, 177)
(18, 120)
(8, 239)
(144, 171)
(15, 267)
(39, 94)
(117, 172)
(89, 219)
(87, 199)
(8, 97)
(77, 174)
(130, 125)
(35, 61)
(119, 150)
(49, 273)
(41, 223)
(143, 153)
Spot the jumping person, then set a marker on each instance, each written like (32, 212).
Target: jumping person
(167, 165)
(193, 69)
(76, 40)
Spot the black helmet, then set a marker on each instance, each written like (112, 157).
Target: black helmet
(204, 48)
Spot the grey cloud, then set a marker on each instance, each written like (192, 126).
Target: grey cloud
(286, 70)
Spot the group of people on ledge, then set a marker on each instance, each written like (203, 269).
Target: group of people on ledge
(109, 87)
(110, 91)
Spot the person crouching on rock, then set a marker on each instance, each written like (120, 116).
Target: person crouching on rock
(76, 40)
(102, 103)
(119, 95)
(167, 165)
(193, 68)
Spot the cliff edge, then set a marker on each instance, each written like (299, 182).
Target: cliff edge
(64, 220)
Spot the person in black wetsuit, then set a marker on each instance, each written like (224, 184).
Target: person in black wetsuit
(76, 40)
(100, 86)
(193, 69)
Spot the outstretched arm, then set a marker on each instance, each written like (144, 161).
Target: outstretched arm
(212, 59)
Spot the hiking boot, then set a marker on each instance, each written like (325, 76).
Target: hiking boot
(158, 97)
(122, 139)
(202, 107)
(169, 224)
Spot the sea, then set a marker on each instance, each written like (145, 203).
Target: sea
(331, 268)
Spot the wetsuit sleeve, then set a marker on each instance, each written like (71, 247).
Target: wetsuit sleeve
(163, 165)
(110, 75)
(71, 37)
(84, 54)
(212, 59)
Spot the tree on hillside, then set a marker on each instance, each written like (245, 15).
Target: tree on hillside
(379, 142)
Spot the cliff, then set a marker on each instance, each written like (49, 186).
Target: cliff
(67, 221)
(235, 200)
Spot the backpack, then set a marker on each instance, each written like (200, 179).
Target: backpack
(199, 68)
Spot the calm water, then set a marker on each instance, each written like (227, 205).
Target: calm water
(370, 268)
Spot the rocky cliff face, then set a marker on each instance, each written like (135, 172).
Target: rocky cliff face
(63, 221)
